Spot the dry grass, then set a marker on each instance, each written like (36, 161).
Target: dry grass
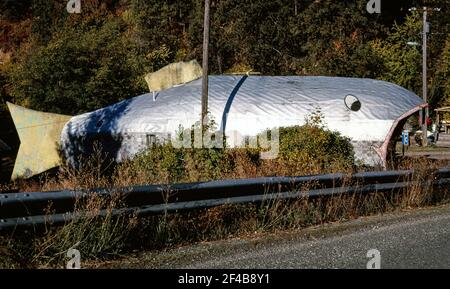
(94, 236)
(111, 236)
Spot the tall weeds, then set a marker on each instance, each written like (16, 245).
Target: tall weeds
(111, 236)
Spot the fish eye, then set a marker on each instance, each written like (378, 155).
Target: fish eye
(352, 102)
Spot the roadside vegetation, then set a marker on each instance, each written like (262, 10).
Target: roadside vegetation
(74, 63)
(111, 237)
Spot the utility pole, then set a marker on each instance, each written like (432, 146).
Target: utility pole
(205, 68)
(425, 30)
(424, 76)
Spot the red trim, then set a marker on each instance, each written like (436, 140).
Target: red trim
(382, 151)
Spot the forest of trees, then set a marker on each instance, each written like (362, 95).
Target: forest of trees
(54, 61)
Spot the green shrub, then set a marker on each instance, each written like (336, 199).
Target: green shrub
(162, 163)
(307, 149)
(312, 146)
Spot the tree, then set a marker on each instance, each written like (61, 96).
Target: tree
(403, 63)
(440, 89)
(73, 63)
(13, 9)
(79, 71)
(337, 37)
(161, 29)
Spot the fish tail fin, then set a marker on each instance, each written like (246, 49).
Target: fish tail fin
(39, 134)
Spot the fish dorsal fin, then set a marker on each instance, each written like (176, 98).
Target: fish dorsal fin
(173, 74)
(39, 134)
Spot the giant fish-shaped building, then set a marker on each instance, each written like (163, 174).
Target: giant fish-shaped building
(369, 112)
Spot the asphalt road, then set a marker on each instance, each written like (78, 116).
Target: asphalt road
(412, 239)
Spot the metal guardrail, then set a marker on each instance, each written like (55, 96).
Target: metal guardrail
(25, 210)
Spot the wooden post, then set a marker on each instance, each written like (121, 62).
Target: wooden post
(424, 75)
(437, 120)
(205, 67)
